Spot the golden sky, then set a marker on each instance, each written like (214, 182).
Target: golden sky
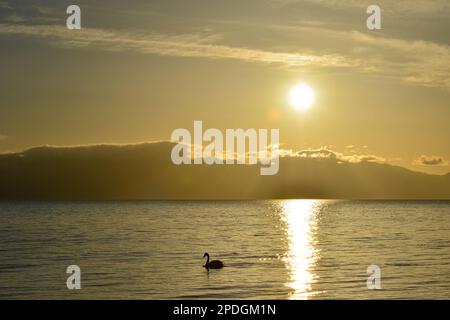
(137, 70)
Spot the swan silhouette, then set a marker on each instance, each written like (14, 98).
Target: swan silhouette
(214, 264)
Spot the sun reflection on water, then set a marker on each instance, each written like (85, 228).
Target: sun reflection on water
(300, 217)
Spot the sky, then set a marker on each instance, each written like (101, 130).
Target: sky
(137, 70)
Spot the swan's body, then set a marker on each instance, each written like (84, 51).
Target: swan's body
(214, 264)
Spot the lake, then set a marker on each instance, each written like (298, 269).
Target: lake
(274, 249)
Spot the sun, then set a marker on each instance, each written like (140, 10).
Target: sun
(301, 97)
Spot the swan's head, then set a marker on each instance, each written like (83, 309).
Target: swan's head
(206, 254)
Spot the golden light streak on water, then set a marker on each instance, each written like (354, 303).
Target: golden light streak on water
(300, 217)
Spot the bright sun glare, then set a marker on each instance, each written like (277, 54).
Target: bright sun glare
(301, 97)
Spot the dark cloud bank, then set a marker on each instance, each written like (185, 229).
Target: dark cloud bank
(145, 171)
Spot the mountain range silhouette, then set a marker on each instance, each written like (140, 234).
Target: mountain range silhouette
(145, 171)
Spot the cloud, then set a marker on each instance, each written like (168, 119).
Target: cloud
(18, 11)
(403, 6)
(416, 62)
(3, 137)
(319, 153)
(4, 6)
(180, 45)
(326, 153)
(432, 160)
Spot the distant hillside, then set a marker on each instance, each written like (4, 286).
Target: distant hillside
(145, 171)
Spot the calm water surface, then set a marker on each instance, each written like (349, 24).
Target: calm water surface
(284, 249)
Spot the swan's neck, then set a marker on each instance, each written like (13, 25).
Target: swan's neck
(207, 260)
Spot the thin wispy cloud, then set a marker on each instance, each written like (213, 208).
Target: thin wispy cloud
(183, 45)
(418, 62)
(23, 12)
(405, 6)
